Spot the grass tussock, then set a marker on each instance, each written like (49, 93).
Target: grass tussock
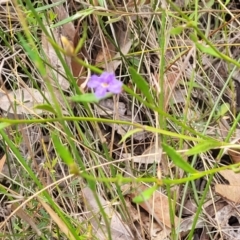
(119, 119)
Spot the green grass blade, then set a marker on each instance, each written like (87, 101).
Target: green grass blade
(178, 160)
(141, 84)
(203, 147)
(145, 195)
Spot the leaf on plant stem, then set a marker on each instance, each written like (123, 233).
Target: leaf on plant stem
(210, 3)
(62, 151)
(46, 7)
(203, 147)
(45, 107)
(176, 30)
(157, 205)
(114, 19)
(141, 83)
(145, 195)
(224, 108)
(177, 159)
(203, 48)
(207, 49)
(79, 15)
(130, 133)
(87, 97)
(4, 125)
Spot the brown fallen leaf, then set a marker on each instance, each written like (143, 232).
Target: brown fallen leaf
(123, 129)
(23, 101)
(158, 206)
(234, 155)
(79, 71)
(230, 192)
(223, 217)
(68, 29)
(172, 79)
(113, 65)
(106, 53)
(119, 230)
(108, 107)
(142, 217)
(108, 56)
(232, 177)
(73, 35)
(149, 156)
(2, 162)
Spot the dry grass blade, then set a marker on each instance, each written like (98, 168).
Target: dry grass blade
(57, 219)
(56, 71)
(27, 218)
(72, 34)
(124, 42)
(179, 92)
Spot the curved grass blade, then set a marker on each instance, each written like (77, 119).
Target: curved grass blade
(203, 147)
(145, 195)
(141, 84)
(177, 159)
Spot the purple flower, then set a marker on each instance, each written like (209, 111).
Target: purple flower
(104, 83)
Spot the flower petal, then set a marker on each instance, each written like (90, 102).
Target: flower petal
(115, 87)
(94, 81)
(100, 92)
(107, 77)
